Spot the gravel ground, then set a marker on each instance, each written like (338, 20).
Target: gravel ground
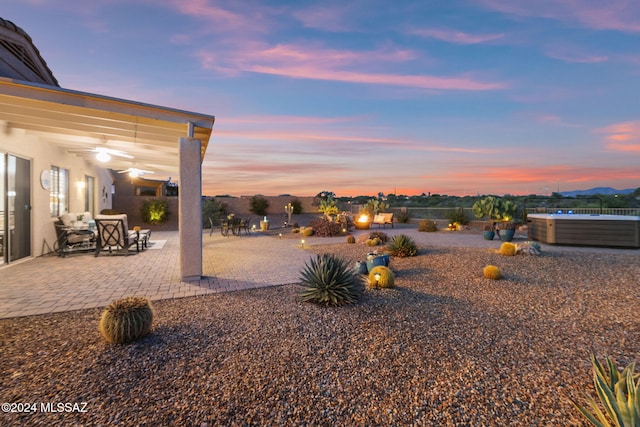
(446, 347)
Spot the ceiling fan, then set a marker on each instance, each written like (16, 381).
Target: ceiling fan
(104, 154)
(135, 172)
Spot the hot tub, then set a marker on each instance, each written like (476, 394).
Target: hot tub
(587, 230)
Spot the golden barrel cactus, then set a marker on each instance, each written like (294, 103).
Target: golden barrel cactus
(381, 277)
(492, 272)
(508, 249)
(125, 320)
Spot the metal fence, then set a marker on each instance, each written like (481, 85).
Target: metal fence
(443, 213)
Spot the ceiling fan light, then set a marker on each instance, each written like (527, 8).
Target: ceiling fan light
(103, 157)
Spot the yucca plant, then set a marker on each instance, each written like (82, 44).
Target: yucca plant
(508, 249)
(402, 245)
(125, 320)
(329, 280)
(618, 393)
(492, 272)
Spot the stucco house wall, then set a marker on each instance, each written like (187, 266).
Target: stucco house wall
(42, 156)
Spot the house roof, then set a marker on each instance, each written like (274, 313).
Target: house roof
(146, 136)
(19, 57)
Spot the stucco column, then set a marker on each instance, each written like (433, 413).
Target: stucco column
(190, 209)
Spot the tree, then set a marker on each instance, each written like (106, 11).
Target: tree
(259, 205)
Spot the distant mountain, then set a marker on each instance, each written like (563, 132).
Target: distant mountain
(597, 190)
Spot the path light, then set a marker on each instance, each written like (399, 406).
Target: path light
(377, 277)
(280, 235)
(302, 243)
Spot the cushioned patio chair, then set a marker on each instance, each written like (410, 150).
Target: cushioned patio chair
(114, 236)
(70, 240)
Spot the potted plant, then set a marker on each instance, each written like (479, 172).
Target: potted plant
(497, 210)
(488, 233)
(506, 230)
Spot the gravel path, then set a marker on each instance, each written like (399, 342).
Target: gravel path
(446, 347)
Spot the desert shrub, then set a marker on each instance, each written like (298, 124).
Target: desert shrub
(125, 320)
(384, 238)
(492, 272)
(297, 206)
(258, 205)
(508, 249)
(402, 217)
(427, 225)
(212, 208)
(374, 207)
(306, 231)
(619, 395)
(325, 228)
(402, 245)
(330, 280)
(457, 216)
(351, 239)
(386, 278)
(155, 211)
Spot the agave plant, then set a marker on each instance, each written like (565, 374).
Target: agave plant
(330, 280)
(618, 394)
(402, 245)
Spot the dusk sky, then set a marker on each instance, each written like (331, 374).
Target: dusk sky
(359, 97)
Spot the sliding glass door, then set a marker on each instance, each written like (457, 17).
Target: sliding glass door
(15, 208)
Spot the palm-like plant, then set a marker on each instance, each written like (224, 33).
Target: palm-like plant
(618, 393)
(330, 280)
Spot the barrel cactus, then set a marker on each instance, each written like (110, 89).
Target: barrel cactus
(492, 272)
(351, 239)
(381, 277)
(125, 320)
(329, 280)
(508, 249)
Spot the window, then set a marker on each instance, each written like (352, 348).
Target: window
(89, 184)
(59, 191)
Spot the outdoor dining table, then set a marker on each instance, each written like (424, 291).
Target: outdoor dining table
(232, 225)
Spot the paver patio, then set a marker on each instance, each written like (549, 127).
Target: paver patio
(50, 284)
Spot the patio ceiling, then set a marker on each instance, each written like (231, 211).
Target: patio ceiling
(80, 123)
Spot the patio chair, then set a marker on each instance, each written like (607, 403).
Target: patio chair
(114, 236)
(69, 240)
(245, 224)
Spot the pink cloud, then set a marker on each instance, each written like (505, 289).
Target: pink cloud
(328, 18)
(624, 136)
(576, 57)
(317, 63)
(417, 81)
(457, 37)
(621, 15)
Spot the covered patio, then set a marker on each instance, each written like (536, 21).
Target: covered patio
(113, 134)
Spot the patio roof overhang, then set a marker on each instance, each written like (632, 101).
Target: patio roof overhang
(80, 123)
